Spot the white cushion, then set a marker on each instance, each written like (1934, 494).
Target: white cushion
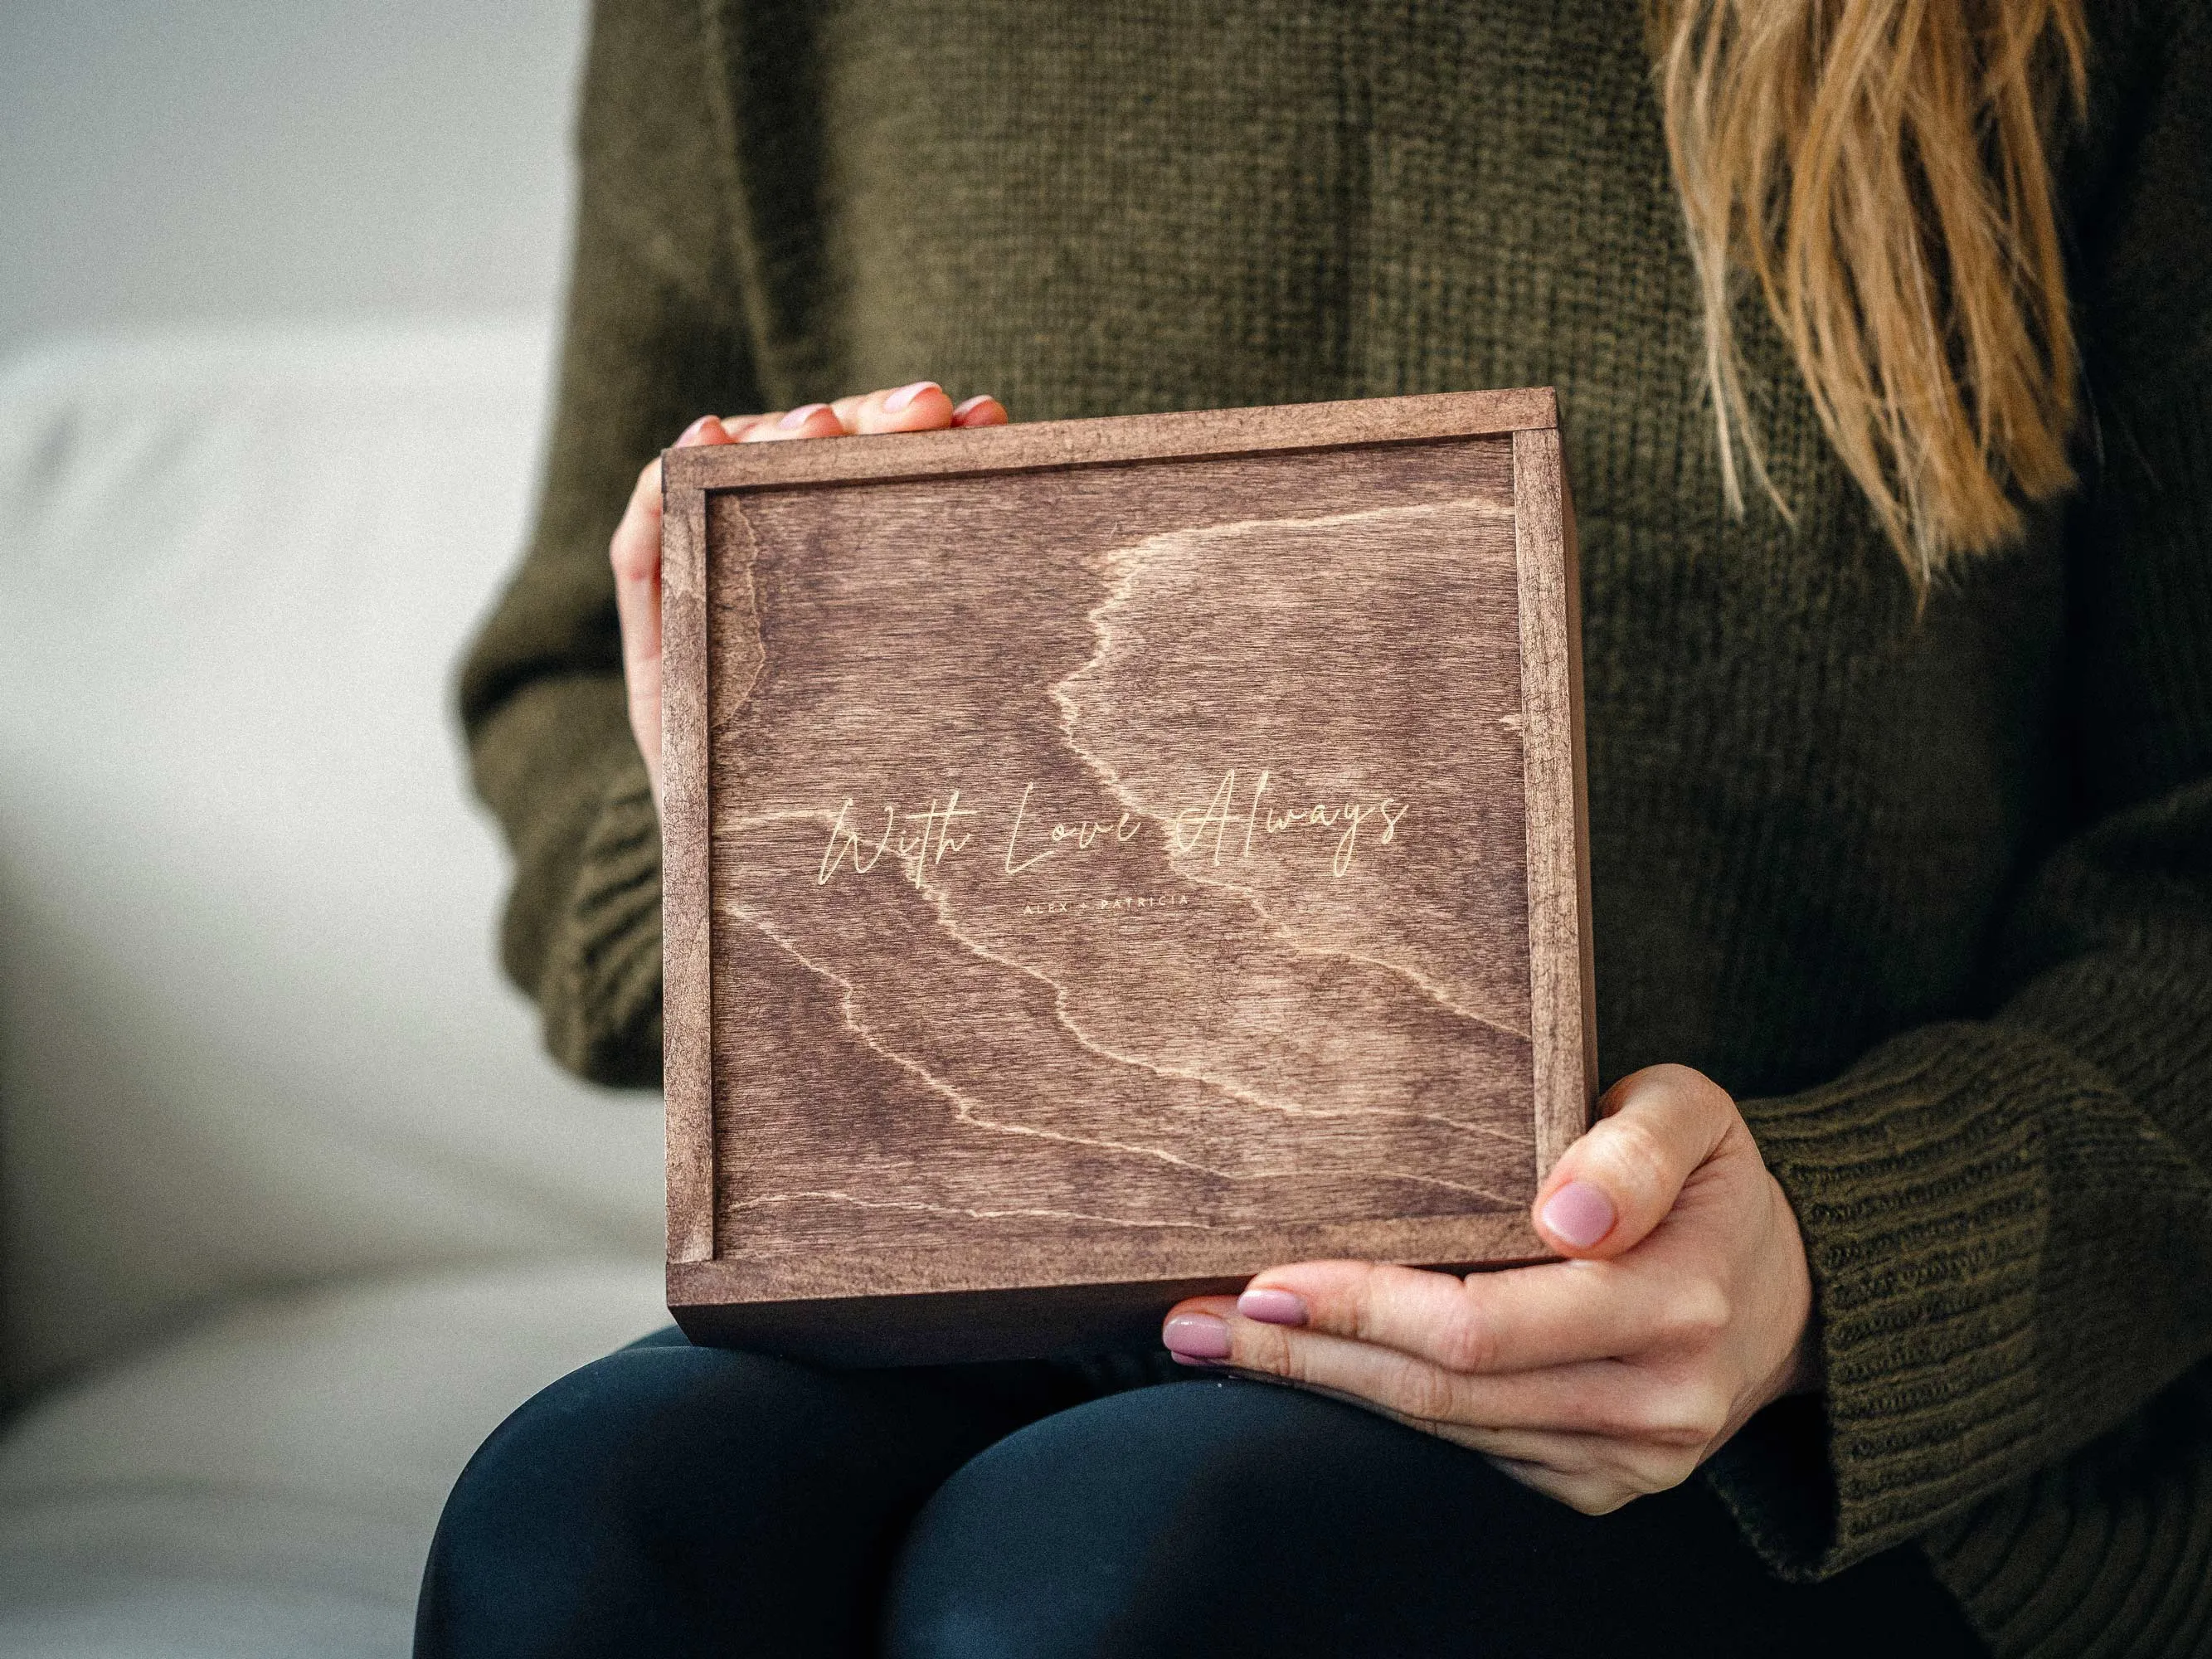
(251, 1033)
(268, 1484)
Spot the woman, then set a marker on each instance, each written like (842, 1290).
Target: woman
(1897, 1234)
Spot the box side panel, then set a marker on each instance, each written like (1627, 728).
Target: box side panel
(940, 1327)
(1188, 434)
(687, 958)
(1558, 881)
(985, 1262)
(988, 1314)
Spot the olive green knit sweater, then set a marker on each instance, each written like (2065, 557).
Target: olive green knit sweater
(1930, 893)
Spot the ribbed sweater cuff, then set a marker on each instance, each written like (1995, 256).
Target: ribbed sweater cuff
(1918, 1181)
(601, 991)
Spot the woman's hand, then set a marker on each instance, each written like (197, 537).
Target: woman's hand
(634, 552)
(1685, 1307)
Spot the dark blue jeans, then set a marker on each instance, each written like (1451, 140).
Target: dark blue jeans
(670, 1501)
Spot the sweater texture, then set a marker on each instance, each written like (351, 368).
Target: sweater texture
(1928, 887)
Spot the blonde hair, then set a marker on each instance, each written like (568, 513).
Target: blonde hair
(1880, 168)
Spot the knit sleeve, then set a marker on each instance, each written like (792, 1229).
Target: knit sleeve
(654, 338)
(2009, 1221)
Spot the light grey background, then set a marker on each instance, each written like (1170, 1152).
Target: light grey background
(214, 162)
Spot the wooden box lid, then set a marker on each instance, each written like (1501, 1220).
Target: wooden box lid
(1107, 858)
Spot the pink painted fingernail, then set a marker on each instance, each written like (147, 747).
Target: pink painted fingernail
(1273, 1307)
(969, 406)
(1580, 1213)
(1197, 1336)
(800, 415)
(906, 394)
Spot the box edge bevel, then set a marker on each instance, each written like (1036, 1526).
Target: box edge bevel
(1186, 434)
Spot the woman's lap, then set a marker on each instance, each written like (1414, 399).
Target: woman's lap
(680, 1500)
(693, 1501)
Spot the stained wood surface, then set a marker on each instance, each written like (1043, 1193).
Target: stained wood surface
(1106, 858)
(687, 914)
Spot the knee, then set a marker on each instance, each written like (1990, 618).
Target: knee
(538, 1515)
(1114, 1527)
(565, 1441)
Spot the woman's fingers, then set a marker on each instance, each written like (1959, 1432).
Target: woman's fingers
(634, 551)
(1648, 1405)
(1522, 1319)
(921, 406)
(1615, 1184)
(917, 406)
(807, 421)
(1593, 1435)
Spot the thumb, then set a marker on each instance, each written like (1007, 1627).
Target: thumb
(1615, 1184)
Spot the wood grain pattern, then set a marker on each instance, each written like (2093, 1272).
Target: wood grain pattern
(1120, 848)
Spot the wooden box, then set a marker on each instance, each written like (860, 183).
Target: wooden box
(1106, 858)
